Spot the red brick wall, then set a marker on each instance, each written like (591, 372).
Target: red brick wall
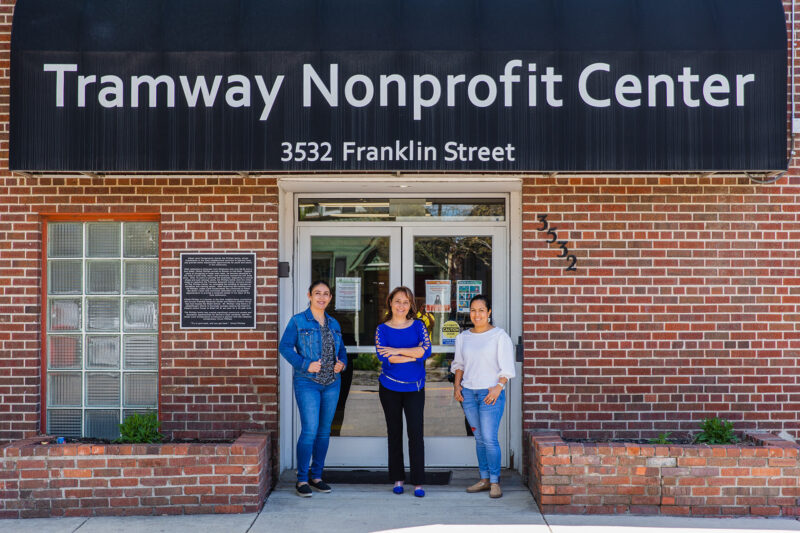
(762, 480)
(684, 303)
(113, 480)
(214, 384)
(19, 300)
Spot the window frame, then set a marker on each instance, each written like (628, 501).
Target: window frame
(46, 219)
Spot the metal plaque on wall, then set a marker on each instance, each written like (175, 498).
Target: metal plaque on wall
(218, 291)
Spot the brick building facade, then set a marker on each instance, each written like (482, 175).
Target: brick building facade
(686, 304)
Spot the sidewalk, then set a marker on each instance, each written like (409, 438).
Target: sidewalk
(373, 508)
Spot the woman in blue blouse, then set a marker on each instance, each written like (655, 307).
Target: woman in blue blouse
(403, 345)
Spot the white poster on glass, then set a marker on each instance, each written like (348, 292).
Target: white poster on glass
(437, 295)
(348, 294)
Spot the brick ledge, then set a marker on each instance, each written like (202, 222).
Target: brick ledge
(700, 480)
(45, 480)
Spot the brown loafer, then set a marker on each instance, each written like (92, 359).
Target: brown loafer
(495, 491)
(481, 485)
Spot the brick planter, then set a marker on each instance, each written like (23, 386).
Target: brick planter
(121, 479)
(762, 480)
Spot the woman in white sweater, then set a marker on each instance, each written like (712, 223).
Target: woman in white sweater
(483, 364)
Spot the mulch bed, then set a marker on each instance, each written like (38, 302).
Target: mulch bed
(672, 441)
(76, 440)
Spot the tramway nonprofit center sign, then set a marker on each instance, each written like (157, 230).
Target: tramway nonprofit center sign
(401, 109)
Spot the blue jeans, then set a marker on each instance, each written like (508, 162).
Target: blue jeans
(485, 422)
(317, 405)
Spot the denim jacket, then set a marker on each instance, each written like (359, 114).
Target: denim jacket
(301, 343)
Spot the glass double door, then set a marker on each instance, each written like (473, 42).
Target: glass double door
(444, 266)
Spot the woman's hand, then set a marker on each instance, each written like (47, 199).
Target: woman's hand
(411, 353)
(386, 351)
(314, 367)
(457, 392)
(494, 393)
(338, 367)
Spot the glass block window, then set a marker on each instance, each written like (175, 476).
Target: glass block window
(102, 325)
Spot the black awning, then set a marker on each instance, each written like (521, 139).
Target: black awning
(208, 38)
(313, 25)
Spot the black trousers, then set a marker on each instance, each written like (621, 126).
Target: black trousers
(395, 404)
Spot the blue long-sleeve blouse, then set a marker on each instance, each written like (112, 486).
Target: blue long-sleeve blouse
(403, 377)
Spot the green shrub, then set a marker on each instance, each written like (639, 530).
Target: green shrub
(366, 361)
(716, 431)
(440, 360)
(140, 429)
(663, 438)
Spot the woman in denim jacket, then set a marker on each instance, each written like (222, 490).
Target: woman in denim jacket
(312, 343)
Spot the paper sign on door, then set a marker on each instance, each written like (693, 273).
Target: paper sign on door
(348, 294)
(465, 290)
(437, 296)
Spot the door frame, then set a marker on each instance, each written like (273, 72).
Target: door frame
(448, 448)
(346, 448)
(289, 187)
(440, 451)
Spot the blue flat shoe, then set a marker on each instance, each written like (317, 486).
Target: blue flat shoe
(398, 489)
(419, 493)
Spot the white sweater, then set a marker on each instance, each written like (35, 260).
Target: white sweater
(484, 358)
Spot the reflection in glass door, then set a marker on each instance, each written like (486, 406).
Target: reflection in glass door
(362, 265)
(448, 271)
(358, 270)
(444, 264)
(447, 266)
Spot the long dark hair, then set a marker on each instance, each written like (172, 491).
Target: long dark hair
(412, 309)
